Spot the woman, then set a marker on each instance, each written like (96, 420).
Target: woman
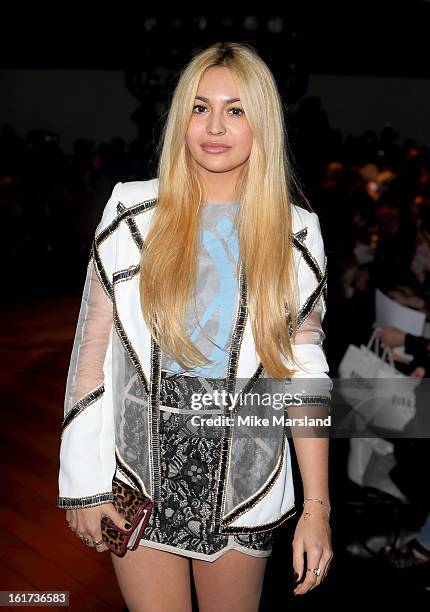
(166, 258)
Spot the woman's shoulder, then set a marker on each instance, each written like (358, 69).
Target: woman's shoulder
(304, 219)
(309, 242)
(127, 199)
(135, 192)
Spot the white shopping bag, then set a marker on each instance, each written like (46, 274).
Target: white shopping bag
(360, 453)
(382, 397)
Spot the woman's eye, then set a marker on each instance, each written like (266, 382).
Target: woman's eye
(236, 108)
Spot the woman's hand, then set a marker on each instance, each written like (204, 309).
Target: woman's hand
(391, 336)
(419, 372)
(86, 522)
(313, 537)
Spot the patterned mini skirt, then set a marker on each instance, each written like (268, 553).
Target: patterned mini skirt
(189, 461)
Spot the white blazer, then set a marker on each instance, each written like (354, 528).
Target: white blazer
(112, 406)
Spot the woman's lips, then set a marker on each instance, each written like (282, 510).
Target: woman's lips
(215, 148)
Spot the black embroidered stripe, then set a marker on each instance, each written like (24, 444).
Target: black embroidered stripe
(131, 223)
(308, 305)
(232, 530)
(83, 403)
(137, 209)
(126, 214)
(247, 387)
(101, 272)
(85, 502)
(324, 291)
(312, 400)
(308, 257)
(319, 291)
(260, 368)
(129, 348)
(154, 403)
(325, 286)
(237, 336)
(312, 263)
(301, 234)
(126, 274)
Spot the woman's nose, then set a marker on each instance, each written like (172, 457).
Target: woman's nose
(215, 123)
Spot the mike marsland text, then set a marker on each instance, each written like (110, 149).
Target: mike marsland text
(255, 421)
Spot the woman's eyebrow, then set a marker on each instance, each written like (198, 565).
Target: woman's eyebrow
(226, 100)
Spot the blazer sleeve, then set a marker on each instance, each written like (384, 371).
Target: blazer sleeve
(87, 446)
(312, 375)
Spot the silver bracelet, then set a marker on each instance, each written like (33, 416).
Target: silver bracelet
(319, 501)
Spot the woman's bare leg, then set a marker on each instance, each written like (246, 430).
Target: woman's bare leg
(232, 583)
(153, 580)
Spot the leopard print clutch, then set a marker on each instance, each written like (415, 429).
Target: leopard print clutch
(136, 509)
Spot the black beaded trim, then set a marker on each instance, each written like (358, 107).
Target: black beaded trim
(312, 263)
(309, 258)
(101, 272)
(83, 403)
(247, 387)
(85, 502)
(129, 473)
(301, 234)
(237, 336)
(315, 400)
(129, 348)
(232, 530)
(134, 230)
(154, 408)
(126, 274)
(260, 368)
(310, 303)
(126, 214)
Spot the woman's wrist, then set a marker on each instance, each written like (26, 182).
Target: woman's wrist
(314, 504)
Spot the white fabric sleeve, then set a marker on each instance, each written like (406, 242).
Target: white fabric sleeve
(91, 340)
(309, 338)
(87, 449)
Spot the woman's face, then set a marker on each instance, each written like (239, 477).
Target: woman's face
(218, 116)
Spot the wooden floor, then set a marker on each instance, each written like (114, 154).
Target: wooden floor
(37, 550)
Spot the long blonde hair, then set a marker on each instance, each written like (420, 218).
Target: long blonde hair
(264, 218)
